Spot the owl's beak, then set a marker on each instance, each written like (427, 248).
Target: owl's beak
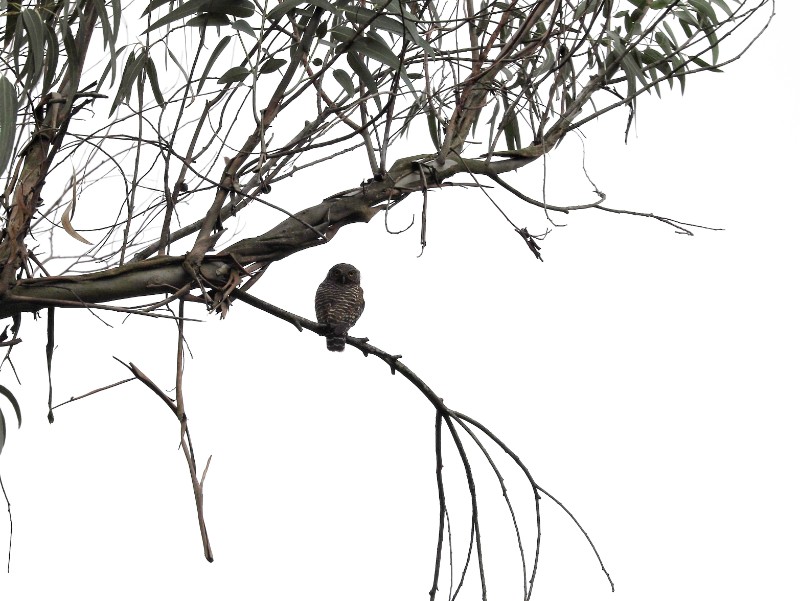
(344, 279)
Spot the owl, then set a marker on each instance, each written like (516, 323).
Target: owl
(339, 303)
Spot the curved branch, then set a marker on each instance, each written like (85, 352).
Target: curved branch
(451, 418)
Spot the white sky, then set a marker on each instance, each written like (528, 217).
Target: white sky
(647, 379)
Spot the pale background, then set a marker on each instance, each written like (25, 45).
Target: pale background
(648, 379)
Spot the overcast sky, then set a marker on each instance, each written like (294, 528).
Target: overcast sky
(648, 380)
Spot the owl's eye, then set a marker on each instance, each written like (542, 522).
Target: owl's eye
(337, 272)
(352, 274)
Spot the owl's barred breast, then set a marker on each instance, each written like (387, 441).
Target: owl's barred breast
(340, 304)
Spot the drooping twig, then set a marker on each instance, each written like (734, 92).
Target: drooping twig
(451, 418)
(442, 508)
(51, 320)
(10, 524)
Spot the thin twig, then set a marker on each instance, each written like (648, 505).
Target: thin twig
(447, 414)
(101, 389)
(10, 524)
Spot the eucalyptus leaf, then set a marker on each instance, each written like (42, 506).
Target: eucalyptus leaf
(244, 27)
(35, 28)
(234, 75)
(187, 9)
(341, 76)
(272, 64)
(214, 55)
(152, 76)
(8, 120)
(208, 20)
(284, 7)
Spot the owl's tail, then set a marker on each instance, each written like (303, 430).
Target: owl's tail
(335, 343)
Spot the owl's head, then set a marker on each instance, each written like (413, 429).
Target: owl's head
(344, 273)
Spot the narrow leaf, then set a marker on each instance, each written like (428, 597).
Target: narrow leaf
(13, 400)
(234, 75)
(704, 8)
(723, 6)
(272, 64)
(235, 8)
(51, 56)
(375, 50)
(190, 8)
(108, 31)
(35, 27)
(214, 55)
(244, 27)
(208, 19)
(284, 7)
(344, 80)
(2, 431)
(152, 76)
(8, 120)
(360, 68)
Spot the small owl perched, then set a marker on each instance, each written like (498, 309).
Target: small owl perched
(339, 303)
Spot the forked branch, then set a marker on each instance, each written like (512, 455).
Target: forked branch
(453, 420)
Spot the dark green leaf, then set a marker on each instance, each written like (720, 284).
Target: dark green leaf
(433, 130)
(272, 64)
(35, 27)
(651, 55)
(723, 6)
(284, 7)
(154, 4)
(546, 65)
(665, 43)
(700, 62)
(108, 32)
(111, 67)
(152, 75)
(187, 9)
(511, 132)
(14, 403)
(344, 80)
(671, 35)
(8, 121)
(653, 77)
(245, 27)
(134, 67)
(116, 15)
(343, 33)
(714, 43)
(704, 8)
(357, 64)
(376, 50)
(208, 19)
(2, 431)
(214, 55)
(12, 16)
(51, 56)
(234, 75)
(235, 8)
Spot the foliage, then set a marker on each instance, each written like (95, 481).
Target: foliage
(202, 109)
